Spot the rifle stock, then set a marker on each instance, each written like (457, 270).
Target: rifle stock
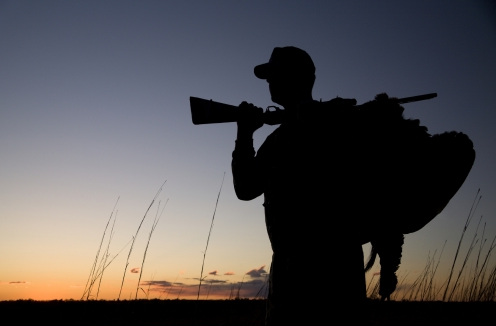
(205, 111)
(208, 111)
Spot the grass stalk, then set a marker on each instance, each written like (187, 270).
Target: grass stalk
(263, 286)
(431, 288)
(473, 285)
(208, 238)
(393, 296)
(146, 295)
(483, 270)
(92, 271)
(209, 288)
(106, 255)
(239, 287)
(149, 284)
(470, 214)
(134, 239)
(231, 292)
(170, 288)
(154, 225)
(368, 286)
(105, 267)
(471, 247)
(180, 291)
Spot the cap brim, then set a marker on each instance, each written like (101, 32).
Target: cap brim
(262, 71)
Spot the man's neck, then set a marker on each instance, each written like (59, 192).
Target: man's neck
(291, 109)
(293, 105)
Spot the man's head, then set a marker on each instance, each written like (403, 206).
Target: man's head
(290, 73)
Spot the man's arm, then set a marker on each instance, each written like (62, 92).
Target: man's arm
(245, 165)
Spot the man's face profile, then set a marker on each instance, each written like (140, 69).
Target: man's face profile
(286, 88)
(278, 89)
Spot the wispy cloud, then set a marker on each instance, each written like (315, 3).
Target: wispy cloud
(14, 282)
(257, 272)
(208, 280)
(135, 270)
(215, 288)
(229, 273)
(216, 281)
(159, 284)
(220, 289)
(213, 273)
(247, 289)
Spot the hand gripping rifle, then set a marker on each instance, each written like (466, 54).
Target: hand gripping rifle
(208, 111)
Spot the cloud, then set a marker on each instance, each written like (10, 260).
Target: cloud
(135, 270)
(17, 282)
(213, 273)
(248, 289)
(159, 284)
(229, 273)
(209, 281)
(215, 288)
(224, 290)
(215, 281)
(257, 272)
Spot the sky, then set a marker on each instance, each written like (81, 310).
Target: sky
(94, 106)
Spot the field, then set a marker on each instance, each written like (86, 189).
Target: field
(228, 312)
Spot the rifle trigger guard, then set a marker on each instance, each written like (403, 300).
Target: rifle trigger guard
(272, 106)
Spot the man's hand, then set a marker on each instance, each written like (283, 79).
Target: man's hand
(250, 118)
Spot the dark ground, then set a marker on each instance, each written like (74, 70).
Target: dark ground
(224, 312)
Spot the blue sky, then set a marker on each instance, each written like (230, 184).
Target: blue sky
(94, 104)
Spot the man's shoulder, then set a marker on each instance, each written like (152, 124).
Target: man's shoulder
(272, 135)
(269, 142)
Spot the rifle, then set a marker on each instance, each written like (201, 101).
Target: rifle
(208, 111)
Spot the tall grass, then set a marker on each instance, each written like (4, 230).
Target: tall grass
(154, 225)
(470, 284)
(208, 238)
(89, 284)
(170, 288)
(106, 255)
(134, 239)
(98, 274)
(239, 287)
(265, 286)
(469, 218)
(466, 284)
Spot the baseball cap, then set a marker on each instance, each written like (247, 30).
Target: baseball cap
(286, 60)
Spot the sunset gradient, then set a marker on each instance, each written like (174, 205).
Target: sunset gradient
(94, 104)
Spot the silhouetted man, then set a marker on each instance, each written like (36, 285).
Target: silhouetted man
(303, 170)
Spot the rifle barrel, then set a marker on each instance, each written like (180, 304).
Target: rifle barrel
(416, 98)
